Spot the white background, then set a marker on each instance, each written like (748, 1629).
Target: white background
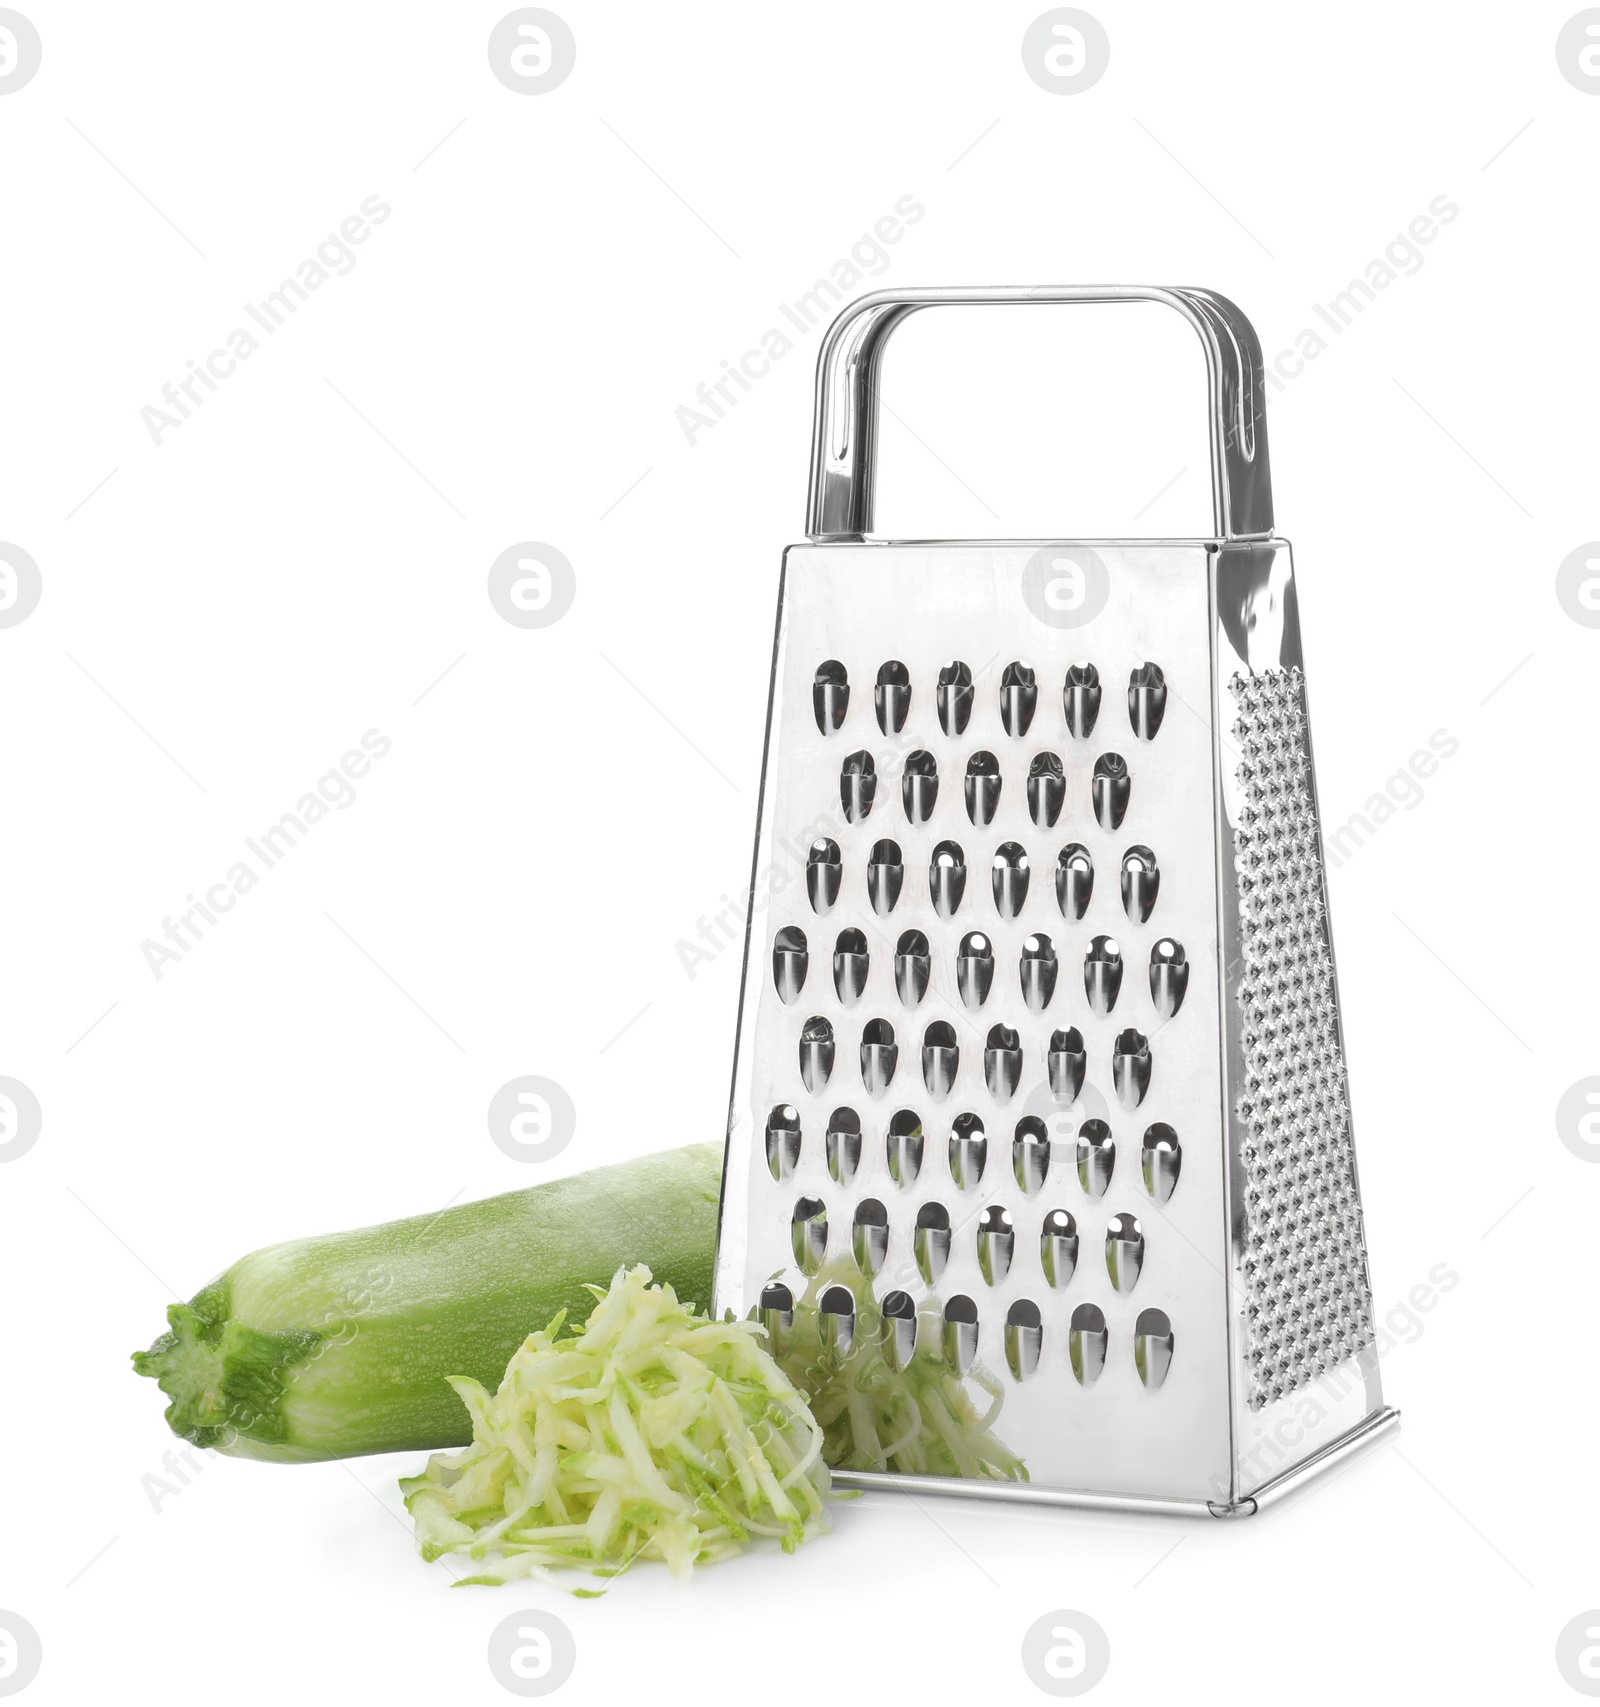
(231, 609)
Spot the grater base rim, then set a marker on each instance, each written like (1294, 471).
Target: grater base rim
(1336, 1453)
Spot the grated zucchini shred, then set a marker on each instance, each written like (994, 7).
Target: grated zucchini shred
(650, 1433)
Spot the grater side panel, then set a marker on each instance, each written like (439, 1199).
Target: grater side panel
(1305, 1364)
(863, 606)
(738, 1147)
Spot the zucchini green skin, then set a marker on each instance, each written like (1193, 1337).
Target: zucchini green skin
(340, 1345)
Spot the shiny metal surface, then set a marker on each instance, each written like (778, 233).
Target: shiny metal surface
(1129, 1377)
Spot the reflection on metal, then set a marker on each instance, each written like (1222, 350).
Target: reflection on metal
(1109, 789)
(1161, 1160)
(836, 1321)
(816, 1054)
(842, 1143)
(850, 966)
(1086, 1343)
(892, 697)
(1124, 1251)
(954, 697)
(1019, 697)
(931, 1241)
(830, 695)
(1169, 976)
(1030, 1153)
(880, 1055)
(1152, 1347)
(1097, 1157)
(1058, 1247)
(919, 786)
(903, 1147)
(1074, 880)
(789, 962)
(913, 966)
(823, 871)
(886, 875)
(960, 1333)
(858, 786)
(969, 1151)
(783, 1140)
(1080, 699)
(808, 1233)
(947, 878)
(1066, 1063)
(997, 1243)
(1024, 1337)
(982, 787)
(869, 1236)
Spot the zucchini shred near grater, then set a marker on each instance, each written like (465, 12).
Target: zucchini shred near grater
(1039, 1163)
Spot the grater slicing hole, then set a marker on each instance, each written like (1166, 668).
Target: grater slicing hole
(1002, 1062)
(903, 1147)
(1019, 697)
(1080, 699)
(842, 1144)
(960, 1334)
(913, 966)
(775, 1312)
(974, 968)
(1009, 873)
(1096, 1157)
(886, 874)
(1110, 788)
(1030, 1153)
(969, 1151)
(869, 1236)
(1169, 976)
(1047, 790)
(789, 962)
(880, 1055)
(997, 1243)
(830, 695)
(1141, 883)
(1024, 1338)
(919, 786)
(899, 1328)
(931, 1241)
(941, 1058)
(947, 878)
(1066, 1063)
(1102, 974)
(1058, 1247)
(892, 696)
(824, 869)
(1086, 1343)
(1152, 1347)
(808, 1233)
(1038, 969)
(816, 1054)
(858, 786)
(1130, 1067)
(1161, 1161)
(850, 965)
(954, 697)
(1074, 880)
(1124, 1251)
(1147, 700)
(836, 1322)
(783, 1140)
(982, 787)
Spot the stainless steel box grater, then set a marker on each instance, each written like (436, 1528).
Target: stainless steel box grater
(1039, 1163)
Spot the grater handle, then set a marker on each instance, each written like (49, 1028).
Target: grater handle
(849, 367)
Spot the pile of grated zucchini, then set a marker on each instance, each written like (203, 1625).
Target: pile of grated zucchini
(649, 1433)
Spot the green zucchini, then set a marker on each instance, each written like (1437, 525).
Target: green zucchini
(344, 1344)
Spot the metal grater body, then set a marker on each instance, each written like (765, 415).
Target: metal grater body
(1043, 1180)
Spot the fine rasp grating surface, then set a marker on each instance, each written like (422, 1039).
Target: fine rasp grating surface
(1308, 1300)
